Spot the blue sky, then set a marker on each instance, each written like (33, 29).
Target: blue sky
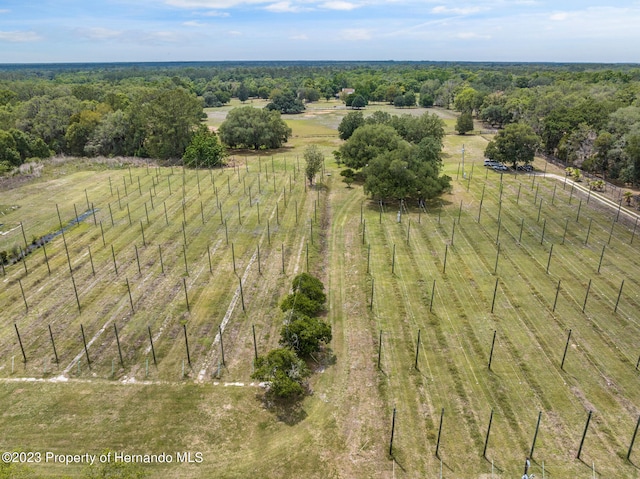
(212, 30)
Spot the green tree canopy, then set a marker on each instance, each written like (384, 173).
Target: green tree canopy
(411, 171)
(204, 150)
(304, 334)
(496, 115)
(604, 143)
(286, 102)
(308, 295)
(8, 149)
(388, 176)
(310, 286)
(169, 117)
(348, 176)
(415, 129)
(632, 150)
(467, 100)
(29, 146)
(349, 123)
(378, 117)
(48, 118)
(428, 92)
(81, 127)
(243, 93)
(314, 159)
(464, 123)
(367, 142)
(301, 303)
(357, 102)
(407, 99)
(517, 143)
(109, 138)
(248, 127)
(284, 371)
(426, 100)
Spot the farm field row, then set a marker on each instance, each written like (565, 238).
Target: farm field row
(414, 300)
(164, 257)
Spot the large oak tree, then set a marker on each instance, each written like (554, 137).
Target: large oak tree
(248, 127)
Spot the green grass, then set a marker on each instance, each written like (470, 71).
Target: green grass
(342, 430)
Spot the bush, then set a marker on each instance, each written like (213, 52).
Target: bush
(310, 286)
(348, 176)
(284, 371)
(304, 334)
(5, 167)
(204, 150)
(301, 303)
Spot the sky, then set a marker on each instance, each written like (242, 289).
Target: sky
(53, 31)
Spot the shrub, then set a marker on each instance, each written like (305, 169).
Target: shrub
(304, 334)
(301, 303)
(284, 371)
(310, 286)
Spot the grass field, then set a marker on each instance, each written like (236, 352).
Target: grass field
(527, 234)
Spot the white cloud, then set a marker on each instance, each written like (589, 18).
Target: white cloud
(19, 37)
(4, 10)
(193, 23)
(339, 5)
(301, 36)
(356, 34)
(559, 16)
(214, 13)
(282, 7)
(235, 33)
(455, 11)
(213, 4)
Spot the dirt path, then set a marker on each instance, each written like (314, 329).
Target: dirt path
(598, 197)
(355, 375)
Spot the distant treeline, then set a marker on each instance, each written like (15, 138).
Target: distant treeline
(587, 115)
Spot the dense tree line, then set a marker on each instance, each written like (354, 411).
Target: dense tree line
(585, 114)
(85, 120)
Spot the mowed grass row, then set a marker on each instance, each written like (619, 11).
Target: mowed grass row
(456, 337)
(237, 435)
(158, 228)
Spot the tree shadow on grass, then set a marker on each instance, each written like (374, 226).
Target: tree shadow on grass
(288, 411)
(290, 414)
(322, 359)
